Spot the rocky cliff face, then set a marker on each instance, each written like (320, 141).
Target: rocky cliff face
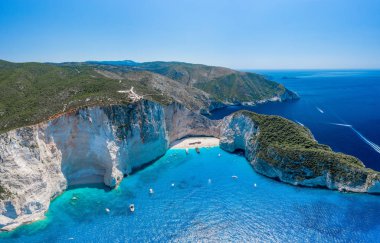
(293, 164)
(182, 122)
(90, 145)
(103, 144)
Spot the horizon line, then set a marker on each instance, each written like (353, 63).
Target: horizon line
(235, 68)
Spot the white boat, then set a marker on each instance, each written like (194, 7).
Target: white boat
(151, 191)
(187, 151)
(234, 177)
(107, 210)
(132, 207)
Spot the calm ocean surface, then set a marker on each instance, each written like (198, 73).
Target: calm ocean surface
(196, 209)
(223, 209)
(341, 108)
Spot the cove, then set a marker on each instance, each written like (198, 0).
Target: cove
(199, 209)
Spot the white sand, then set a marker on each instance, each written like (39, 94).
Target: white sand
(194, 142)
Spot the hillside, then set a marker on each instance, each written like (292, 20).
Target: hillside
(223, 84)
(33, 92)
(292, 149)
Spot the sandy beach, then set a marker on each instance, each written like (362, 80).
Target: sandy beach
(194, 142)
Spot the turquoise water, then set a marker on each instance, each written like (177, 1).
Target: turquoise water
(195, 209)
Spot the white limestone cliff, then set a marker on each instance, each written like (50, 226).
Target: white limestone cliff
(91, 145)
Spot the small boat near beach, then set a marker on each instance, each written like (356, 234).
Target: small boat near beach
(132, 207)
(197, 150)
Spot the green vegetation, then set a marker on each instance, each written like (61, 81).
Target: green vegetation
(4, 193)
(291, 147)
(33, 92)
(223, 84)
(241, 87)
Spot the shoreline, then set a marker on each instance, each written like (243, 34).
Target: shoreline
(194, 142)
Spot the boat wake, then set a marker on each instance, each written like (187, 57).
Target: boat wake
(341, 124)
(300, 123)
(366, 140)
(320, 110)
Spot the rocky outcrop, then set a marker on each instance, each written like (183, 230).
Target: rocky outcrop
(292, 163)
(31, 174)
(182, 122)
(90, 145)
(287, 95)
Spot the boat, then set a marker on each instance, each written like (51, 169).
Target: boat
(187, 151)
(151, 191)
(197, 150)
(107, 210)
(234, 177)
(132, 207)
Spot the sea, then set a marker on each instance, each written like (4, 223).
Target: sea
(341, 108)
(216, 196)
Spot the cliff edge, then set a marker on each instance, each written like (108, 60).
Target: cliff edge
(283, 150)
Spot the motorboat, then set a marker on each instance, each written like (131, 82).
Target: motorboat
(132, 207)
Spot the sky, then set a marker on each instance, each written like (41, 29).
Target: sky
(265, 34)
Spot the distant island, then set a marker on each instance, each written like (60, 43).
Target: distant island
(64, 124)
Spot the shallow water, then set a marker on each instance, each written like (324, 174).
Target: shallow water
(328, 100)
(197, 209)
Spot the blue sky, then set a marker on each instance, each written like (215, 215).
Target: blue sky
(265, 34)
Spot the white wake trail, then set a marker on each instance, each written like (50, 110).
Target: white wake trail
(366, 140)
(342, 124)
(320, 110)
(372, 144)
(300, 123)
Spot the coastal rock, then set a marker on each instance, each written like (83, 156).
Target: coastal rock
(292, 155)
(182, 122)
(90, 145)
(31, 175)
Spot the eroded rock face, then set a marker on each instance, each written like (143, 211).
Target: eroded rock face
(239, 131)
(31, 174)
(182, 122)
(91, 145)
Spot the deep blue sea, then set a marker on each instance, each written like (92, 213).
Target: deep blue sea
(341, 108)
(205, 204)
